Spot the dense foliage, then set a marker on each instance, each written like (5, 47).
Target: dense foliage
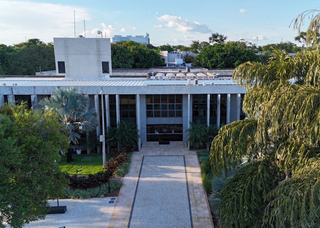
(228, 55)
(279, 186)
(130, 54)
(29, 173)
(26, 58)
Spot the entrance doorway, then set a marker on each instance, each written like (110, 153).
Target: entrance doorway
(164, 132)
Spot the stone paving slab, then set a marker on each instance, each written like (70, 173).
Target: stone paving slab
(162, 197)
(200, 210)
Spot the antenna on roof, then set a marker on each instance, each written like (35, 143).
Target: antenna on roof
(74, 23)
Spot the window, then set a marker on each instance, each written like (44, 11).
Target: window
(164, 105)
(105, 67)
(61, 67)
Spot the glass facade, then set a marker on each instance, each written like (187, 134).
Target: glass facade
(164, 106)
(199, 108)
(112, 107)
(223, 110)
(128, 108)
(242, 114)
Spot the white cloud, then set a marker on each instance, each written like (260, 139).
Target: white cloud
(183, 25)
(159, 26)
(123, 30)
(106, 32)
(243, 10)
(259, 37)
(132, 27)
(188, 37)
(28, 19)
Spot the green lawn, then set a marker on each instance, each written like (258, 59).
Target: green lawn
(82, 164)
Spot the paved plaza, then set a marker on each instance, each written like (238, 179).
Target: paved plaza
(144, 202)
(94, 212)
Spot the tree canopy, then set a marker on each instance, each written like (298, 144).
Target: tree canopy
(279, 186)
(228, 55)
(29, 173)
(130, 54)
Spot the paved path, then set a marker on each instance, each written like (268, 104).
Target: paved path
(94, 212)
(200, 212)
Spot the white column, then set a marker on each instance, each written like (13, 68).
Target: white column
(11, 99)
(228, 107)
(87, 133)
(107, 110)
(34, 101)
(189, 116)
(103, 134)
(1, 99)
(238, 105)
(97, 109)
(208, 110)
(138, 119)
(118, 108)
(218, 109)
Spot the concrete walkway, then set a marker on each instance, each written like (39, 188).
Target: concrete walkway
(129, 207)
(81, 213)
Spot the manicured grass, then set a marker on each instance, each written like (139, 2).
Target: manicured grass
(79, 167)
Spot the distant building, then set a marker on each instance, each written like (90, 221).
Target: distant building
(175, 58)
(139, 39)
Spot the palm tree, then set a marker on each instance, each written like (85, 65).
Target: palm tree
(197, 135)
(72, 109)
(127, 135)
(279, 186)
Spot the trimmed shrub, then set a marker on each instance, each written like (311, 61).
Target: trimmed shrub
(91, 192)
(100, 178)
(122, 170)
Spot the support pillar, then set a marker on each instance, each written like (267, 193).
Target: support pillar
(238, 106)
(228, 107)
(87, 133)
(103, 134)
(189, 116)
(118, 108)
(118, 113)
(218, 109)
(97, 109)
(11, 99)
(138, 119)
(107, 118)
(34, 101)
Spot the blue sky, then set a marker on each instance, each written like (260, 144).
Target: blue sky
(172, 22)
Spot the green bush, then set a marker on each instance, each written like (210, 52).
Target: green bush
(91, 192)
(124, 168)
(206, 183)
(205, 172)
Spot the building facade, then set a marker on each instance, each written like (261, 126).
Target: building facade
(162, 106)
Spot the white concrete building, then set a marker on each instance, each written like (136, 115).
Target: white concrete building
(162, 106)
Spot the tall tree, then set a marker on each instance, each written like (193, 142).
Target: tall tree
(30, 57)
(29, 173)
(72, 109)
(280, 139)
(227, 55)
(217, 38)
